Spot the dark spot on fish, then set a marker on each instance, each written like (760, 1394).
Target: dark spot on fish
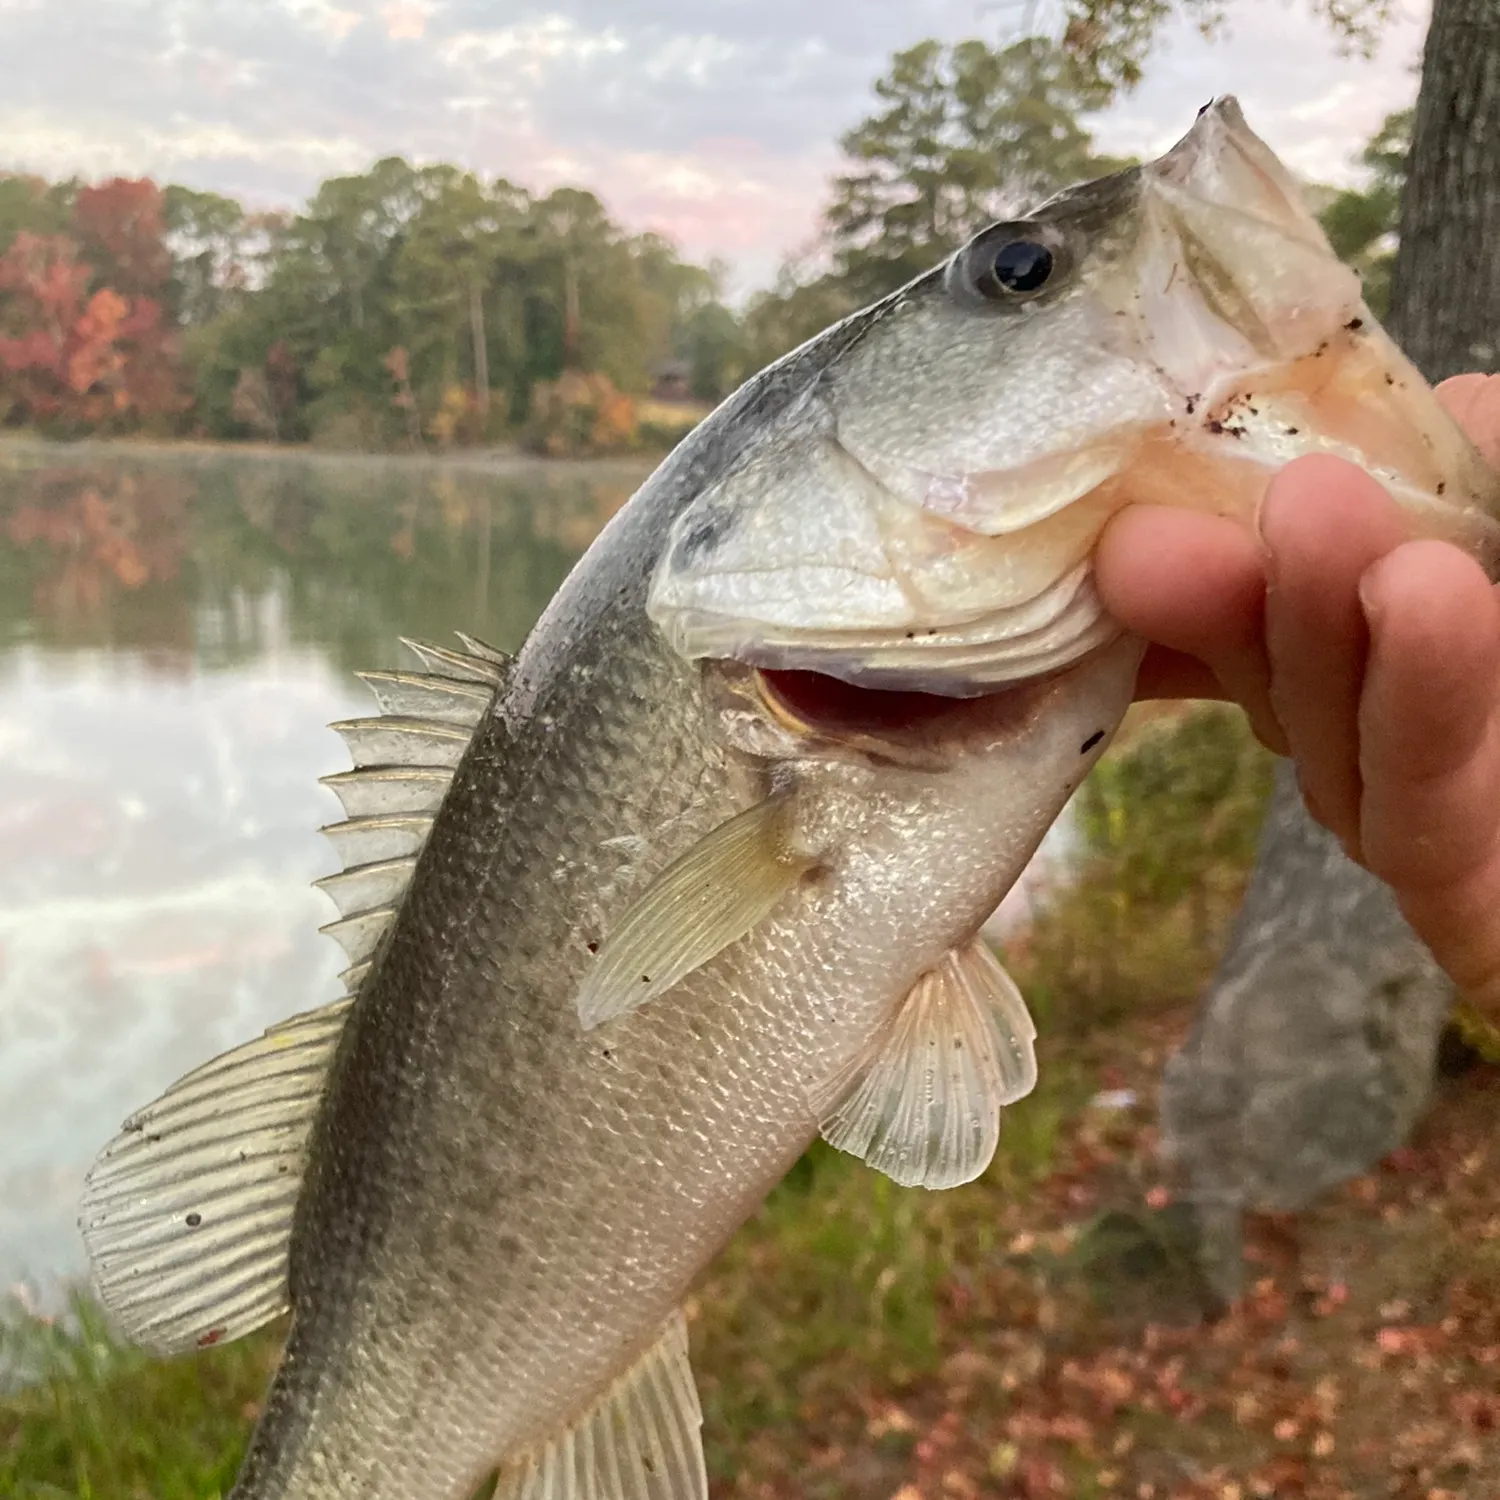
(1293, 431)
(592, 947)
(645, 979)
(911, 635)
(1254, 411)
(193, 1220)
(1192, 403)
(1390, 379)
(1321, 350)
(646, 1463)
(209, 1339)
(958, 1044)
(1215, 426)
(605, 1052)
(1091, 741)
(704, 535)
(1354, 325)
(1442, 487)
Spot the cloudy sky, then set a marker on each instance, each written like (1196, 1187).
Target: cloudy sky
(711, 120)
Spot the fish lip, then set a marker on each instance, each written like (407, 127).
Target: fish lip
(917, 659)
(820, 716)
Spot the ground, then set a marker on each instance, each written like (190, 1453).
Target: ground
(1072, 1350)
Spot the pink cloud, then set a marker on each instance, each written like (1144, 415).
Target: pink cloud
(404, 21)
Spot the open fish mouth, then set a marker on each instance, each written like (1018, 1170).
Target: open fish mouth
(924, 520)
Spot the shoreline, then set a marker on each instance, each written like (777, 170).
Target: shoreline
(492, 459)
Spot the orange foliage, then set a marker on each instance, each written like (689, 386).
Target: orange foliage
(578, 415)
(82, 341)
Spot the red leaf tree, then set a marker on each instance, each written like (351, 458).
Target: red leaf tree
(82, 338)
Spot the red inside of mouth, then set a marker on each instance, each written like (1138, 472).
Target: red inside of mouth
(837, 707)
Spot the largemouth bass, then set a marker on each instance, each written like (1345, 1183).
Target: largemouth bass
(702, 873)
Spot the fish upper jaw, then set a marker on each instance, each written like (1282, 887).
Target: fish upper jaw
(1263, 338)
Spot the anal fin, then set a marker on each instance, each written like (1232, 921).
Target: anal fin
(923, 1104)
(641, 1440)
(187, 1214)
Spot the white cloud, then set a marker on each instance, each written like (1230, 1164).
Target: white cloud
(715, 124)
(34, 143)
(532, 45)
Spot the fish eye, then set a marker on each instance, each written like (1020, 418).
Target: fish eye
(1017, 268)
(1008, 263)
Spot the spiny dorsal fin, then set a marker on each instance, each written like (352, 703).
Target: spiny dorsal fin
(923, 1104)
(187, 1213)
(641, 1441)
(404, 758)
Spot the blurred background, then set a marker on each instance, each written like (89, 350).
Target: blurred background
(323, 323)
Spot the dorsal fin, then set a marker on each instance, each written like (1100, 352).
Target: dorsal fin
(404, 758)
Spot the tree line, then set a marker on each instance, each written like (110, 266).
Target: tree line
(424, 305)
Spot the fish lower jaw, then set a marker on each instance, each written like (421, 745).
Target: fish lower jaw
(802, 715)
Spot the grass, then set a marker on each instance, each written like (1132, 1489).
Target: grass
(85, 1416)
(1041, 1333)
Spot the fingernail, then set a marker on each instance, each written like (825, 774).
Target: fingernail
(1370, 605)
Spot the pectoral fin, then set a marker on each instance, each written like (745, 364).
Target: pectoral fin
(640, 1442)
(700, 904)
(923, 1105)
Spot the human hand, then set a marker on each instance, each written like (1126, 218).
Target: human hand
(1372, 660)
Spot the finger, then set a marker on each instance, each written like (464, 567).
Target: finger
(1429, 717)
(1474, 403)
(1324, 522)
(1194, 585)
(1458, 924)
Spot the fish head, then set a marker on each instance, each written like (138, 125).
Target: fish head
(920, 512)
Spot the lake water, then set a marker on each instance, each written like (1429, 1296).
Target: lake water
(177, 629)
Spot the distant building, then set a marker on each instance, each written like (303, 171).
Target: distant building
(671, 381)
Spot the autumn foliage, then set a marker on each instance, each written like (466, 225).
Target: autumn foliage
(84, 342)
(580, 414)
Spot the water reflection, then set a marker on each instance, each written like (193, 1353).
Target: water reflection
(175, 631)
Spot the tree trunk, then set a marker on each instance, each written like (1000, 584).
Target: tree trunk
(481, 349)
(1445, 288)
(1312, 1056)
(570, 311)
